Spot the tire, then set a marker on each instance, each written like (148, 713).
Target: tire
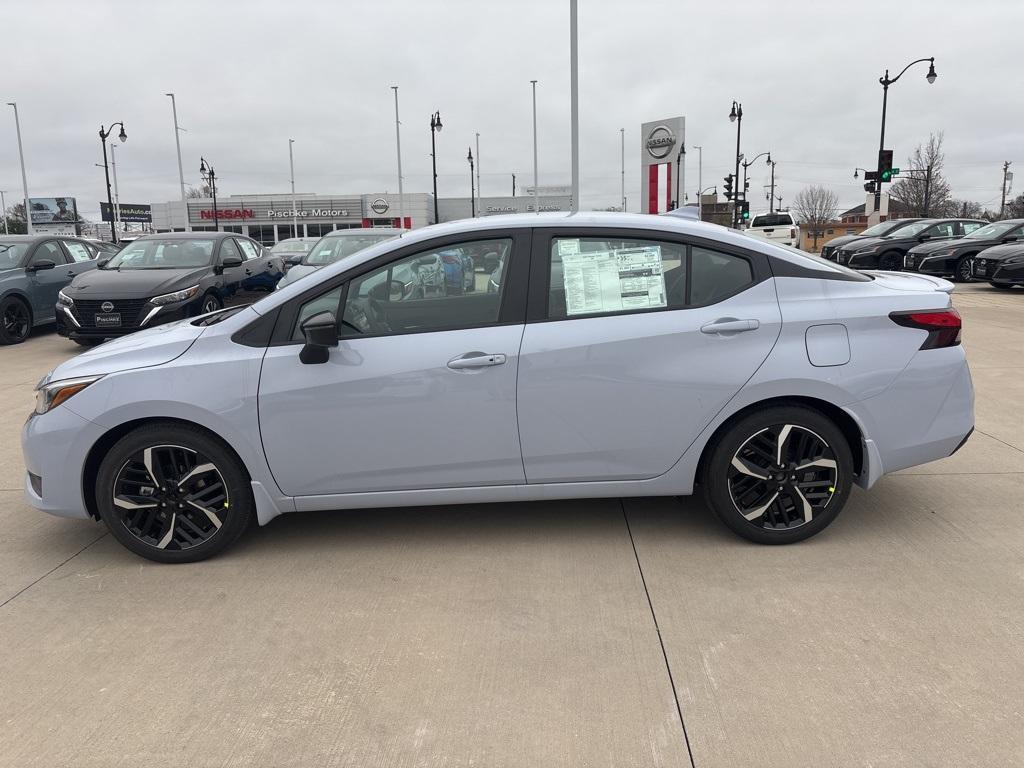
(891, 261)
(15, 320)
(88, 342)
(963, 273)
(1002, 286)
(175, 452)
(782, 514)
(210, 304)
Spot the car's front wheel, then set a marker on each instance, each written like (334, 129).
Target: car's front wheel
(15, 320)
(210, 304)
(964, 270)
(891, 261)
(779, 475)
(173, 494)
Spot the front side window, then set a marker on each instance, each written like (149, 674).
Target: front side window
(228, 250)
(78, 251)
(48, 251)
(970, 226)
(176, 253)
(941, 230)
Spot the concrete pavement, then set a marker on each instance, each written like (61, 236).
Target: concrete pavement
(544, 634)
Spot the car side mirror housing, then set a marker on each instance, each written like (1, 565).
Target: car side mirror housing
(294, 260)
(102, 262)
(321, 333)
(42, 264)
(229, 262)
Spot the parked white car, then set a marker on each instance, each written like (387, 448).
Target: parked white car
(779, 227)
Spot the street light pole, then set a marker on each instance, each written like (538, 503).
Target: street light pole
(210, 177)
(117, 197)
(177, 144)
(3, 211)
(435, 128)
(574, 109)
(771, 199)
(398, 153)
(700, 178)
(24, 178)
(622, 134)
(104, 133)
(295, 213)
(536, 202)
(479, 189)
(472, 192)
(736, 116)
(746, 164)
(885, 81)
(680, 170)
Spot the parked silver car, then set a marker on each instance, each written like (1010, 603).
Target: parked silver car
(619, 355)
(335, 246)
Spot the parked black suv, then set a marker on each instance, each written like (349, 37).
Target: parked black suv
(954, 258)
(164, 277)
(831, 248)
(888, 252)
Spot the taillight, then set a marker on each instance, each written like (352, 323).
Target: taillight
(943, 325)
(792, 234)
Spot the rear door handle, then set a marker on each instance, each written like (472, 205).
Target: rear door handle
(476, 360)
(730, 325)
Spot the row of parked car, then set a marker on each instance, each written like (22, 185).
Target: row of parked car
(963, 249)
(96, 291)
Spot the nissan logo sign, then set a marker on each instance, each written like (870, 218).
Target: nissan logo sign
(660, 142)
(107, 306)
(380, 205)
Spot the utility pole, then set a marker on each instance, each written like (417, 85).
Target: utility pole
(536, 190)
(291, 166)
(771, 198)
(398, 154)
(927, 190)
(700, 180)
(622, 134)
(24, 178)
(479, 189)
(574, 108)
(513, 185)
(3, 211)
(1002, 203)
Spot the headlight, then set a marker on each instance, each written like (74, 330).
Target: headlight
(49, 396)
(872, 249)
(170, 298)
(1015, 260)
(64, 300)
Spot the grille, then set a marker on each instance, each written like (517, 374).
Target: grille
(984, 268)
(86, 311)
(826, 253)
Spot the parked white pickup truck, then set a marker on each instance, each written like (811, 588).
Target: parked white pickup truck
(779, 227)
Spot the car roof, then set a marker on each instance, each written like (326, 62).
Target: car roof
(32, 238)
(357, 231)
(184, 236)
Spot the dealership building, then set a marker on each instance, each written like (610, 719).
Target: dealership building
(269, 218)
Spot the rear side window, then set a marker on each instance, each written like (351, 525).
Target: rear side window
(772, 220)
(596, 276)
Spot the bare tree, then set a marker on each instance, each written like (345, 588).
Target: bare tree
(816, 206)
(195, 193)
(926, 192)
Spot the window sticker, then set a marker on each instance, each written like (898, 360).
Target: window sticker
(568, 247)
(612, 281)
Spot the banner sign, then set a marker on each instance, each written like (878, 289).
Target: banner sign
(130, 212)
(47, 210)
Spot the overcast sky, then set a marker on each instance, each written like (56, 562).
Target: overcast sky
(249, 76)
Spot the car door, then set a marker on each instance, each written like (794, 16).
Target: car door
(45, 284)
(80, 256)
(418, 394)
(265, 268)
(634, 342)
(233, 287)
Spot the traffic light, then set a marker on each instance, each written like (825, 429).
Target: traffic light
(728, 187)
(870, 187)
(745, 210)
(885, 164)
(746, 186)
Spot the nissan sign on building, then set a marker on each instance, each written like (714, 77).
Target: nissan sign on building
(661, 142)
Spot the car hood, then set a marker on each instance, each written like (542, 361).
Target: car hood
(1004, 251)
(861, 243)
(839, 242)
(293, 274)
(909, 281)
(132, 283)
(932, 246)
(142, 349)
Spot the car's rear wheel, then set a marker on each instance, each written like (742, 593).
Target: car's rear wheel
(891, 261)
(780, 475)
(15, 320)
(964, 272)
(173, 494)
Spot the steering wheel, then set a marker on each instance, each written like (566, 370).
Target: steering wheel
(365, 315)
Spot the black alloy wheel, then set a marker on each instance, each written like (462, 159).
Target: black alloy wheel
(15, 321)
(210, 304)
(172, 493)
(891, 261)
(964, 270)
(779, 475)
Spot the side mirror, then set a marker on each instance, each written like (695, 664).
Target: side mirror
(294, 260)
(922, 238)
(229, 262)
(42, 264)
(321, 333)
(102, 262)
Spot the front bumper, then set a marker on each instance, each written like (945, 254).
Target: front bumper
(938, 266)
(999, 271)
(55, 446)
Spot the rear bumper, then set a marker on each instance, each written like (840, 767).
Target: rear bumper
(925, 415)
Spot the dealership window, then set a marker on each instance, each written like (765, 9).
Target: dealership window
(236, 230)
(262, 235)
(284, 231)
(319, 230)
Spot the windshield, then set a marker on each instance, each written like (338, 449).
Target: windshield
(331, 249)
(164, 254)
(11, 253)
(913, 229)
(292, 246)
(883, 228)
(994, 231)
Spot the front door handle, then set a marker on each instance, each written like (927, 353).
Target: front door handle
(730, 325)
(475, 360)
